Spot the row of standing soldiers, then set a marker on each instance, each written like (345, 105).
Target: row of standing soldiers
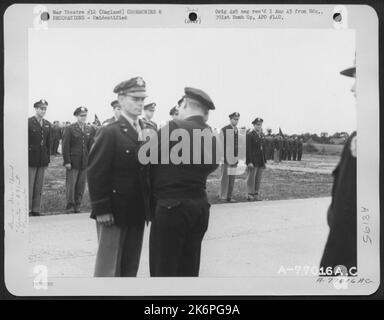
(278, 147)
(43, 141)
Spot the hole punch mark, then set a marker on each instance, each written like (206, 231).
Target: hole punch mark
(44, 16)
(337, 17)
(192, 16)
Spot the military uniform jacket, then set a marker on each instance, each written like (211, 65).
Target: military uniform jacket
(268, 142)
(299, 145)
(295, 145)
(39, 138)
(76, 145)
(108, 121)
(56, 133)
(254, 149)
(341, 247)
(235, 143)
(289, 145)
(149, 124)
(117, 182)
(184, 180)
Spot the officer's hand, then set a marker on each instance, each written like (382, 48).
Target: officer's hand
(250, 165)
(68, 166)
(105, 219)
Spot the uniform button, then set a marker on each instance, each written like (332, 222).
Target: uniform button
(126, 151)
(114, 191)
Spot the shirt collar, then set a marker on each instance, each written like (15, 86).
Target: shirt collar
(39, 121)
(130, 120)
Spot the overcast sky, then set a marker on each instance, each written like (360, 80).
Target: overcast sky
(288, 77)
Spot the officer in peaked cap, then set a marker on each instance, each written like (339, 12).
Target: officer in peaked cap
(228, 169)
(77, 141)
(234, 115)
(134, 87)
(181, 206)
(341, 246)
(39, 142)
(149, 110)
(255, 159)
(257, 121)
(118, 186)
(117, 112)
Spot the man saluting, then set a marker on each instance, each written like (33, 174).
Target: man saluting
(116, 186)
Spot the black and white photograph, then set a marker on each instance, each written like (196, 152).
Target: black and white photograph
(221, 153)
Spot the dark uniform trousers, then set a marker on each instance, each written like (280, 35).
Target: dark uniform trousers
(76, 145)
(176, 234)
(289, 153)
(254, 179)
(299, 152)
(55, 140)
(38, 159)
(294, 151)
(294, 155)
(254, 155)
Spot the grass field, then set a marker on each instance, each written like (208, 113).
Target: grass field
(327, 149)
(291, 183)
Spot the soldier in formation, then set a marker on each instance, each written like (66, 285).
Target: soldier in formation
(118, 186)
(228, 168)
(255, 159)
(77, 141)
(39, 143)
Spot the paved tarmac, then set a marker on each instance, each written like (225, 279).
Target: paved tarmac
(243, 239)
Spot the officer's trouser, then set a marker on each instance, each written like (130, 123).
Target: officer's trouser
(271, 155)
(254, 179)
(56, 143)
(119, 250)
(289, 155)
(227, 181)
(75, 186)
(176, 235)
(294, 154)
(36, 181)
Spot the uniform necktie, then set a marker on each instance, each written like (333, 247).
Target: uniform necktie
(137, 128)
